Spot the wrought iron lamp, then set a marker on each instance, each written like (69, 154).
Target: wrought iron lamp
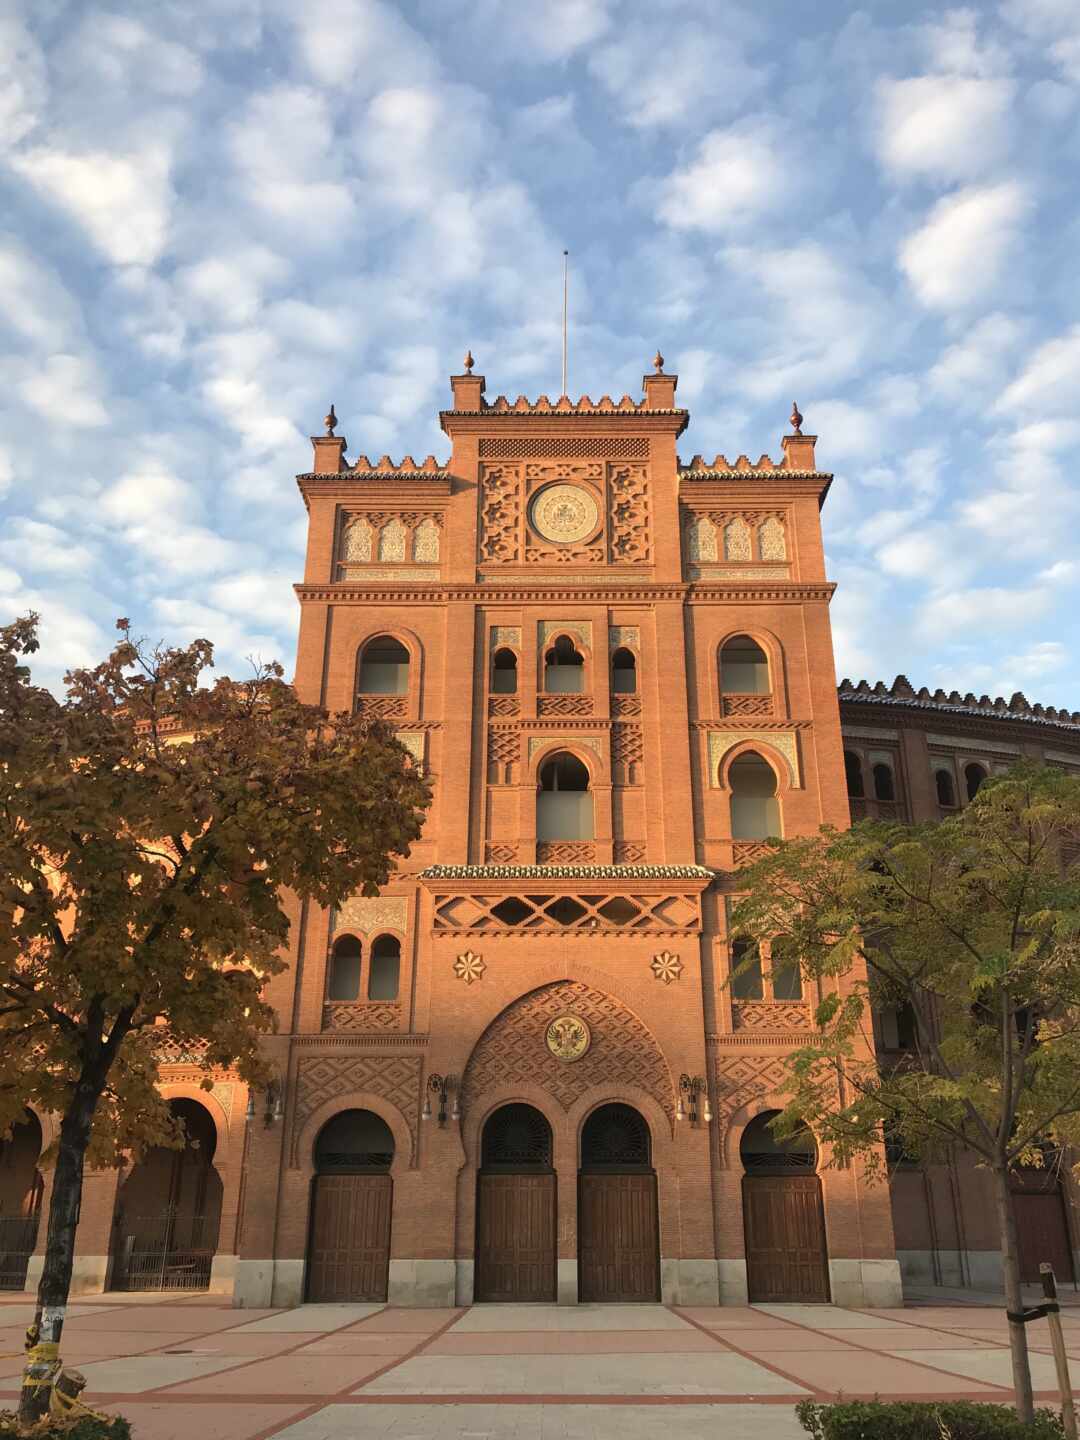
(442, 1086)
(274, 1102)
(692, 1086)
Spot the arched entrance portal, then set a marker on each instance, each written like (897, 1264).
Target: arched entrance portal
(21, 1189)
(783, 1215)
(351, 1207)
(169, 1211)
(618, 1230)
(515, 1208)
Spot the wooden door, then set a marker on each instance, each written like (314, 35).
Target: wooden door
(1041, 1229)
(618, 1238)
(515, 1236)
(786, 1258)
(349, 1257)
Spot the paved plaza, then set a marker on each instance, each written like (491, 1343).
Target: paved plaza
(195, 1366)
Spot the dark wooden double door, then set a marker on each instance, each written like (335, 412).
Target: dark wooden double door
(618, 1251)
(349, 1254)
(786, 1257)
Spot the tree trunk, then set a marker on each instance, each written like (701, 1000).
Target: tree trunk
(1014, 1299)
(55, 1282)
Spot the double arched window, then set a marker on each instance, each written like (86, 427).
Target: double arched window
(564, 804)
(384, 667)
(974, 775)
(946, 787)
(347, 964)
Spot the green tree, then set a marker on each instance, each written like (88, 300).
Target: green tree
(151, 826)
(973, 923)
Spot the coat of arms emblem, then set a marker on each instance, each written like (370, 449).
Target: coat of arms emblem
(568, 1037)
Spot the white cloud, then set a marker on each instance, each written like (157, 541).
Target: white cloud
(845, 430)
(541, 32)
(263, 596)
(33, 301)
(40, 547)
(951, 613)
(351, 42)
(924, 554)
(1053, 23)
(1050, 380)
(736, 175)
(65, 390)
(7, 471)
(816, 318)
(285, 150)
(685, 85)
(148, 492)
(945, 127)
(23, 80)
(1060, 573)
(972, 367)
(118, 52)
(228, 289)
(951, 44)
(958, 254)
(122, 201)
(1042, 658)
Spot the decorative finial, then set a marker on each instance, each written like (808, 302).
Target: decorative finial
(330, 421)
(796, 419)
(469, 362)
(658, 362)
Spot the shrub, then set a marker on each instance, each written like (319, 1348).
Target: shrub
(912, 1420)
(83, 1427)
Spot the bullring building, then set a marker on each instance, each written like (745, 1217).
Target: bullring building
(521, 1072)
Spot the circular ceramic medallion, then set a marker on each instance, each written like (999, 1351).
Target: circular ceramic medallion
(564, 513)
(568, 1037)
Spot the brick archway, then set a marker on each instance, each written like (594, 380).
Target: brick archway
(512, 1050)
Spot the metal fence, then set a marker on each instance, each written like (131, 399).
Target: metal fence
(165, 1252)
(18, 1236)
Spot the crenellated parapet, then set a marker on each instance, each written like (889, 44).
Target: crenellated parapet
(902, 693)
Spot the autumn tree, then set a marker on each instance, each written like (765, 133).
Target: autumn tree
(974, 925)
(150, 824)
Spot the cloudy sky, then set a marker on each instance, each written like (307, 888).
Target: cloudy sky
(218, 215)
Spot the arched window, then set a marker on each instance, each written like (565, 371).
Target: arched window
(564, 668)
(384, 968)
(384, 667)
(516, 1138)
(974, 775)
(884, 787)
(853, 772)
(616, 1138)
(755, 810)
(623, 672)
(762, 1153)
(564, 807)
(504, 673)
(744, 667)
(354, 1140)
(746, 981)
(344, 980)
(946, 790)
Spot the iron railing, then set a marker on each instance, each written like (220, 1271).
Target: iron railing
(165, 1252)
(18, 1236)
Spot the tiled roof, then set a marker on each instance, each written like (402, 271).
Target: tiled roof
(902, 693)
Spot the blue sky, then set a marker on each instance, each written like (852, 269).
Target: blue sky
(216, 216)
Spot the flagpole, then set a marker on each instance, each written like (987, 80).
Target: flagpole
(565, 291)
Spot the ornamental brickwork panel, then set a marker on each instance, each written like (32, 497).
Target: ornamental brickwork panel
(500, 513)
(357, 1015)
(376, 536)
(741, 538)
(630, 529)
(557, 511)
(320, 1078)
(512, 1051)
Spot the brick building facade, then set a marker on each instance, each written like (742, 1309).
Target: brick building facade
(522, 1071)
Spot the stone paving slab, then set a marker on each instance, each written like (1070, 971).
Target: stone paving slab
(308, 1317)
(720, 1374)
(159, 1420)
(545, 1422)
(569, 1317)
(865, 1374)
(360, 1341)
(574, 1342)
(995, 1366)
(828, 1317)
(134, 1374)
(779, 1341)
(289, 1375)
